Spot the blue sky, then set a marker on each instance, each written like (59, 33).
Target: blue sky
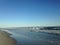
(29, 13)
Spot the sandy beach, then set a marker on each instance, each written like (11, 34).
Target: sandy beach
(5, 39)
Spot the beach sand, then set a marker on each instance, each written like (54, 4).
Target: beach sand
(5, 39)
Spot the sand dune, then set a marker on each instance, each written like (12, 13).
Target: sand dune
(5, 39)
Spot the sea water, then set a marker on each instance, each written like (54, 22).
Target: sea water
(26, 37)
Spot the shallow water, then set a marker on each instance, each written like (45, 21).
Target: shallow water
(26, 37)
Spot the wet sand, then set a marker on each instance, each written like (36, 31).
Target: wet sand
(5, 39)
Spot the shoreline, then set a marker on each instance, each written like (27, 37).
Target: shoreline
(5, 39)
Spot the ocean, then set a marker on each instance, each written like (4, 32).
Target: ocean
(27, 37)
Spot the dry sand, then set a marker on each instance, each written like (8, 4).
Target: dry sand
(5, 39)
